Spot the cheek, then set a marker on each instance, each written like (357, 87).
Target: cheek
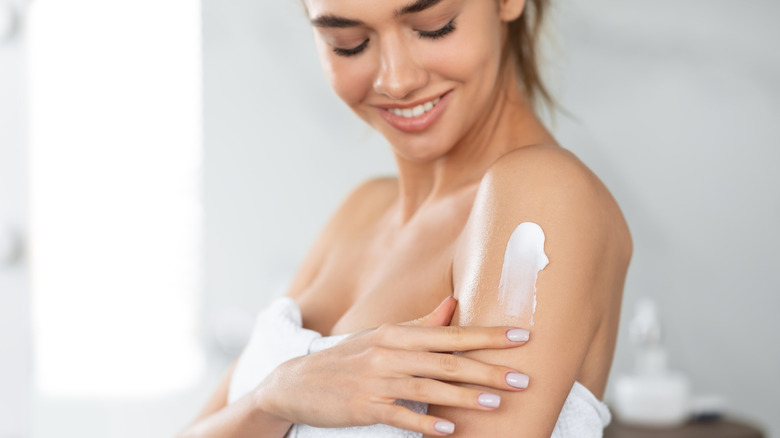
(473, 56)
(470, 55)
(350, 78)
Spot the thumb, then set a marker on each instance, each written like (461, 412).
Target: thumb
(440, 316)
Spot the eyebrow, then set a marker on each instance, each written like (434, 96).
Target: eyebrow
(416, 6)
(329, 20)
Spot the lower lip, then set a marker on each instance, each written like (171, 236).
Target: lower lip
(419, 123)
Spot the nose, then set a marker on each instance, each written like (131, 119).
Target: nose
(399, 72)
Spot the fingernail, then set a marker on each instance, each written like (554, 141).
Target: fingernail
(518, 335)
(489, 400)
(444, 427)
(517, 380)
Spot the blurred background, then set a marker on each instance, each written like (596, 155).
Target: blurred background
(165, 164)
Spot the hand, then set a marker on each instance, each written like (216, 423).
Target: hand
(357, 382)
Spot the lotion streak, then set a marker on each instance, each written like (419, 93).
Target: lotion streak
(523, 260)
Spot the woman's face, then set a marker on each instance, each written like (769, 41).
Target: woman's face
(421, 72)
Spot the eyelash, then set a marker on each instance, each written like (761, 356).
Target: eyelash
(436, 34)
(433, 35)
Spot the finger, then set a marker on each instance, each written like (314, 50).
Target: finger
(453, 368)
(442, 315)
(401, 417)
(449, 338)
(439, 393)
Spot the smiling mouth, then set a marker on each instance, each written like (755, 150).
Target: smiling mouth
(415, 117)
(417, 111)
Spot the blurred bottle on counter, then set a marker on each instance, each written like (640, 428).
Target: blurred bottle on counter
(654, 395)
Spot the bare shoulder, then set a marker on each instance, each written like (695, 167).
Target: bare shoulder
(554, 183)
(359, 209)
(549, 186)
(550, 168)
(364, 204)
(376, 191)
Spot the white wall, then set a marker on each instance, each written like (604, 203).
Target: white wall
(115, 154)
(14, 299)
(676, 106)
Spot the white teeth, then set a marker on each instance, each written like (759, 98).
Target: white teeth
(416, 111)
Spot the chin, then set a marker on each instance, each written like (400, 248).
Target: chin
(425, 151)
(422, 147)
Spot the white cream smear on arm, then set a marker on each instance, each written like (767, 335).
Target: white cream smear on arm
(523, 259)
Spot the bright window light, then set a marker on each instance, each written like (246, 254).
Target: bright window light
(115, 152)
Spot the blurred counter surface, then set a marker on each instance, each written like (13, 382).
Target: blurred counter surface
(723, 428)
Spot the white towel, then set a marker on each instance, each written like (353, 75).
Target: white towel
(582, 415)
(277, 337)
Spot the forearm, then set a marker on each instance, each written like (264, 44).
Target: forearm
(247, 417)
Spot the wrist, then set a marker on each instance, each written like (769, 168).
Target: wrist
(265, 405)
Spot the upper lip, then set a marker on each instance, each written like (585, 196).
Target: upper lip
(411, 104)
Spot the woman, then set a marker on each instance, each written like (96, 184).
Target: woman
(487, 208)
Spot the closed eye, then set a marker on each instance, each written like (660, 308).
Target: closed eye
(433, 35)
(440, 33)
(351, 52)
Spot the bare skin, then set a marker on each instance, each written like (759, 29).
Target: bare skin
(399, 246)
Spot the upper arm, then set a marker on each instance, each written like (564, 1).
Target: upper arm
(556, 192)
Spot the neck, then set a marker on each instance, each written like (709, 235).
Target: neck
(510, 124)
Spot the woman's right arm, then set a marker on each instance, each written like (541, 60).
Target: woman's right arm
(244, 418)
(358, 381)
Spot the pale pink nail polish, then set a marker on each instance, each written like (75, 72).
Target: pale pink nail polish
(517, 380)
(444, 427)
(489, 400)
(518, 335)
